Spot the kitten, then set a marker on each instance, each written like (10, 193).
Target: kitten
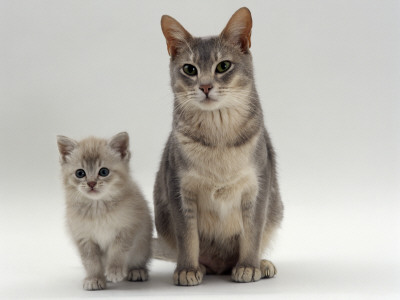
(216, 195)
(107, 215)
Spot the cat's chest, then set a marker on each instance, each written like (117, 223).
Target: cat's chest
(219, 177)
(219, 203)
(220, 163)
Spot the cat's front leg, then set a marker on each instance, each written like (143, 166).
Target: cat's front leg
(91, 259)
(253, 216)
(188, 272)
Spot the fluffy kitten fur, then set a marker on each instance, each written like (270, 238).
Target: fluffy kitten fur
(107, 216)
(216, 195)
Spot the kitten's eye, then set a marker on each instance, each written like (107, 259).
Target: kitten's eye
(80, 173)
(223, 66)
(104, 172)
(190, 70)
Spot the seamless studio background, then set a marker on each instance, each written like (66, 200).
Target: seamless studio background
(328, 75)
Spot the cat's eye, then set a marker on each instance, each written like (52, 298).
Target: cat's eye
(223, 66)
(104, 172)
(80, 173)
(190, 70)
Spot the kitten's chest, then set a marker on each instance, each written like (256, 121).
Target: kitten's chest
(105, 230)
(99, 226)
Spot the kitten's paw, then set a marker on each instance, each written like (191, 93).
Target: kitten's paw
(115, 274)
(138, 275)
(94, 284)
(268, 270)
(245, 274)
(188, 277)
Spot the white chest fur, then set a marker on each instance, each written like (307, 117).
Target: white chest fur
(102, 226)
(220, 179)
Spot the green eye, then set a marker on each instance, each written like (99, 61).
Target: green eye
(190, 70)
(223, 66)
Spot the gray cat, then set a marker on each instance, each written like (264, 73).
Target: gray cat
(216, 194)
(107, 215)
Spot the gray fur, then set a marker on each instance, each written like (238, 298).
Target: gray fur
(216, 195)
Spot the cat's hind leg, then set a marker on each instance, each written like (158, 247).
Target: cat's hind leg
(268, 269)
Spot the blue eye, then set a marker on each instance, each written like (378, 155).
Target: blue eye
(80, 173)
(104, 172)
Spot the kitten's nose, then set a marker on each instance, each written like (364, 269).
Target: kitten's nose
(92, 184)
(206, 88)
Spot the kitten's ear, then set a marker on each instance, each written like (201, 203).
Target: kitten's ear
(174, 33)
(65, 146)
(120, 144)
(238, 29)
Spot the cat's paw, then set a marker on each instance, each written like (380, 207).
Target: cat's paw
(268, 270)
(115, 273)
(188, 277)
(246, 274)
(94, 284)
(138, 275)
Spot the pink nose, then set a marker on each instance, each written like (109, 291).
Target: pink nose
(206, 88)
(92, 184)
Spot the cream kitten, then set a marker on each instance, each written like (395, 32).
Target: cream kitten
(107, 215)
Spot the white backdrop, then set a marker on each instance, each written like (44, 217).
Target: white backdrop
(328, 75)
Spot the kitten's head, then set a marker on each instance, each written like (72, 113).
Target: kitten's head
(211, 73)
(94, 168)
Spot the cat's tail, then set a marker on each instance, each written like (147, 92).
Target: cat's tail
(162, 251)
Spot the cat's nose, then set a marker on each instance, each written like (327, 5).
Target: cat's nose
(206, 88)
(92, 184)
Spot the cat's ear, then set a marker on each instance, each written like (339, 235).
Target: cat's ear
(238, 29)
(65, 146)
(174, 33)
(120, 144)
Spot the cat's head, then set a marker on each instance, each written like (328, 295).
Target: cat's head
(94, 168)
(211, 73)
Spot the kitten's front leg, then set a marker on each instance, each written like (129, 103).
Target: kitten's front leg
(188, 272)
(91, 259)
(140, 254)
(117, 256)
(253, 215)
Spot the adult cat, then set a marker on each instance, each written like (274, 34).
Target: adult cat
(216, 194)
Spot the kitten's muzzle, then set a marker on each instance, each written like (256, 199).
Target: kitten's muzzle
(92, 184)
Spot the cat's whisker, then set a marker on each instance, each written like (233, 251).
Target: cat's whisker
(182, 106)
